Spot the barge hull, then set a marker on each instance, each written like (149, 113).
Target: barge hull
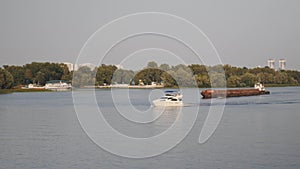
(231, 93)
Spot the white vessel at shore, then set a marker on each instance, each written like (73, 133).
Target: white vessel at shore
(58, 85)
(33, 86)
(171, 98)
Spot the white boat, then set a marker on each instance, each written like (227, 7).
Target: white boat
(58, 85)
(171, 98)
(33, 86)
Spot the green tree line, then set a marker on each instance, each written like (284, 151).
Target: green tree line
(38, 73)
(171, 76)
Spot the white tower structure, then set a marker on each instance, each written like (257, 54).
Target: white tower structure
(69, 65)
(271, 63)
(282, 64)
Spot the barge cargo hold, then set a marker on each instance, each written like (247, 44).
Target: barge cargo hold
(258, 90)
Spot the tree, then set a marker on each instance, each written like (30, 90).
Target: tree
(216, 69)
(198, 69)
(6, 79)
(148, 76)
(122, 76)
(203, 81)
(281, 78)
(248, 79)
(152, 64)
(234, 81)
(28, 76)
(83, 77)
(68, 77)
(217, 80)
(36, 72)
(265, 78)
(105, 74)
(184, 77)
(164, 67)
(18, 73)
(40, 78)
(168, 79)
(294, 74)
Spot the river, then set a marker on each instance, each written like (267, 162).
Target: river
(41, 130)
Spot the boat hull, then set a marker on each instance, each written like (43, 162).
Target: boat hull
(163, 103)
(206, 94)
(59, 89)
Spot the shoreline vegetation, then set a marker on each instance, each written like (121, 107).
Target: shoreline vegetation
(13, 78)
(8, 91)
(19, 90)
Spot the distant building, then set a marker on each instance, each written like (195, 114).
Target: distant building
(282, 64)
(271, 63)
(119, 66)
(69, 65)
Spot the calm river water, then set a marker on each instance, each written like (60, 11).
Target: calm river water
(41, 130)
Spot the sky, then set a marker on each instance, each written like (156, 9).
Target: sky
(244, 33)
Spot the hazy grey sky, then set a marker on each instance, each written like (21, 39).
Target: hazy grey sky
(245, 33)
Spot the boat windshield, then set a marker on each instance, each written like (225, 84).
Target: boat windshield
(172, 93)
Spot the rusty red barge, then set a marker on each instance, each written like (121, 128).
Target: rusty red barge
(259, 89)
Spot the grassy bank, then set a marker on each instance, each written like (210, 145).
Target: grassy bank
(7, 91)
(281, 85)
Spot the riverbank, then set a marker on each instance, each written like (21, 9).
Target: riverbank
(7, 91)
(266, 85)
(281, 85)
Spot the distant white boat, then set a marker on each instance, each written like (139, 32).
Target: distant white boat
(33, 86)
(171, 98)
(58, 85)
